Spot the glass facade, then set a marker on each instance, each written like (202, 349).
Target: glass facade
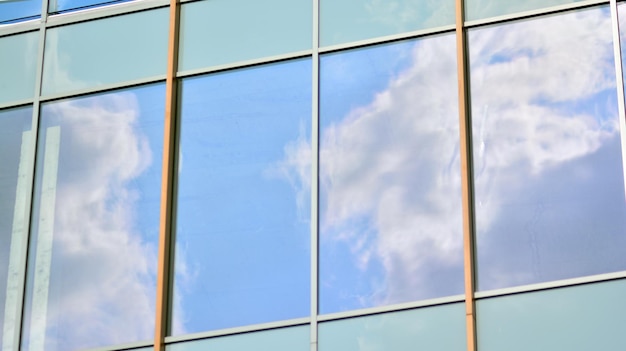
(312, 175)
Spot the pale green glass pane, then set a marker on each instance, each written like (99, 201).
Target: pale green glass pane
(478, 9)
(432, 328)
(352, 20)
(223, 31)
(107, 51)
(581, 318)
(18, 58)
(285, 339)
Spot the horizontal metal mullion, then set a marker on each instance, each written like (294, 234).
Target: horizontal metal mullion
(238, 330)
(104, 12)
(20, 27)
(551, 285)
(104, 88)
(391, 308)
(16, 104)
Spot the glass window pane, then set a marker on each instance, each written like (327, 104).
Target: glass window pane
(580, 318)
(479, 9)
(17, 66)
(390, 198)
(95, 226)
(218, 32)
(352, 20)
(14, 11)
(243, 227)
(56, 6)
(16, 160)
(123, 48)
(432, 328)
(284, 339)
(549, 185)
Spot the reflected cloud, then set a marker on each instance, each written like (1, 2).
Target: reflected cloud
(103, 265)
(404, 14)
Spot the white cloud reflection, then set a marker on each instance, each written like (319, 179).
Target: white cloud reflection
(389, 177)
(102, 282)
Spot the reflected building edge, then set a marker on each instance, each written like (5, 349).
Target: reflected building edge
(317, 201)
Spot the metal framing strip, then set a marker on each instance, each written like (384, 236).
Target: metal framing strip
(465, 141)
(164, 268)
(619, 80)
(315, 78)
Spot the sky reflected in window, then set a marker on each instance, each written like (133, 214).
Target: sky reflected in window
(94, 230)
(390, 205)
(243, 227)
(548, 177)
(19, 10)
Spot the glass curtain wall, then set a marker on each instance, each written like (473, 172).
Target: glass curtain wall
(317, 175)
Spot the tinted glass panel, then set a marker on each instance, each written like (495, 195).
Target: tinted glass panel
(217, 32)
(434, 328)
(13, 11)
(286, 339)
(390, 205)
(243, 228)
(16, 160)
(581, 318)
(548, 174)
(94, 230)
(351, 20)
(122, 48)
(18, 59)
(478, 9)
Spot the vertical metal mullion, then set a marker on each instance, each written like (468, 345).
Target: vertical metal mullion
(619, 79)
(164, 269)
(28, 206)
(314, 176)
(465, 141)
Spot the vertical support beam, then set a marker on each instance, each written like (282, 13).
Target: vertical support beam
(314, 175)
(466, 173)
(164, 269)
(619, 80)
(15, 300)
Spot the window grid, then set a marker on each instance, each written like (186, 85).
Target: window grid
(169, 162)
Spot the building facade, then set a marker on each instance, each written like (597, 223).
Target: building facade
(312, 175)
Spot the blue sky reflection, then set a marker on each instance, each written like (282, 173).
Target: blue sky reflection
(548, 172)
(243, 227)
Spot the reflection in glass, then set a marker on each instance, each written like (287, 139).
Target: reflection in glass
(243, 227)
(17, 66)
(549, 186)
(390, 200)
(15, 161)
(579, 318)
(284, 339)
(94, 230)
(352, 20)
(479, 9)
(219, 32)
(56, 6)
(14, 11)
(433, 328)
(123, 48)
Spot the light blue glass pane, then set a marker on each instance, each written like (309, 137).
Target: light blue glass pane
(18, 59)
(285, 339)
(352, 20)
(56, 6)
(432, 328)
(390, 193)
(106, 51)
(19, 10)
(217, 32)
(243, 227)
(478, 9)
(15, 161)
(548, 179)
(95, 225)
(580, 318)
